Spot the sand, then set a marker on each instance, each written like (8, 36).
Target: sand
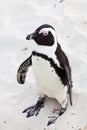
(19, 18)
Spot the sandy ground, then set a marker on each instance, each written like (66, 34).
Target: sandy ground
(19, 18)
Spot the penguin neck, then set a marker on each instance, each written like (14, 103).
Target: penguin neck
(46, 50)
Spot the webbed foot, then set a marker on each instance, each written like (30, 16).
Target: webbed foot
(34, 110)
(55, 117)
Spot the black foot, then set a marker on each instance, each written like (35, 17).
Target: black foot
(34, 110)
(54, 118)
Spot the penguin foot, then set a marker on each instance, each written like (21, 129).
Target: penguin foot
(54, 118)
(34, 110)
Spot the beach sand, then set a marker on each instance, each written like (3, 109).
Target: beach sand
(19, 18)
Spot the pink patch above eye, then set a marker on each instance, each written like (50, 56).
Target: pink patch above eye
(44, 32)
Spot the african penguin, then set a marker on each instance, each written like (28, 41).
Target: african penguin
(51, 69)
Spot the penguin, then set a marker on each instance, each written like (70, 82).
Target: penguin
(51, 69)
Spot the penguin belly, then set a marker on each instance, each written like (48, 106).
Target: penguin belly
(48, 81)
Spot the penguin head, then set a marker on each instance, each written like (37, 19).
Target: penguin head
(44, 35)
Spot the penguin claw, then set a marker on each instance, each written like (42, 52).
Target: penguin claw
(32, 112)
(52, 120)
(27, 109)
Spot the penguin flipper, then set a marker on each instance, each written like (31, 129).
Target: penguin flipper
(22, 70)
(64, 63)
(68, 73)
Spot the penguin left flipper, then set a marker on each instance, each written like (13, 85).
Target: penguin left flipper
(69, 83)
(21, 73)
(64, 63)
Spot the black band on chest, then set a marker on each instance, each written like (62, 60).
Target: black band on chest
(59, 71)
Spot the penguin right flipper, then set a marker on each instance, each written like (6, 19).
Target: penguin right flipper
(21, 73)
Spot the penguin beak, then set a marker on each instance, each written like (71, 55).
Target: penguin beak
(31, 36)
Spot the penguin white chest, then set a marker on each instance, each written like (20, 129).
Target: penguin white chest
(46, 77)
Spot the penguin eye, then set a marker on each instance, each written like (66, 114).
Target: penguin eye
(45, 33)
